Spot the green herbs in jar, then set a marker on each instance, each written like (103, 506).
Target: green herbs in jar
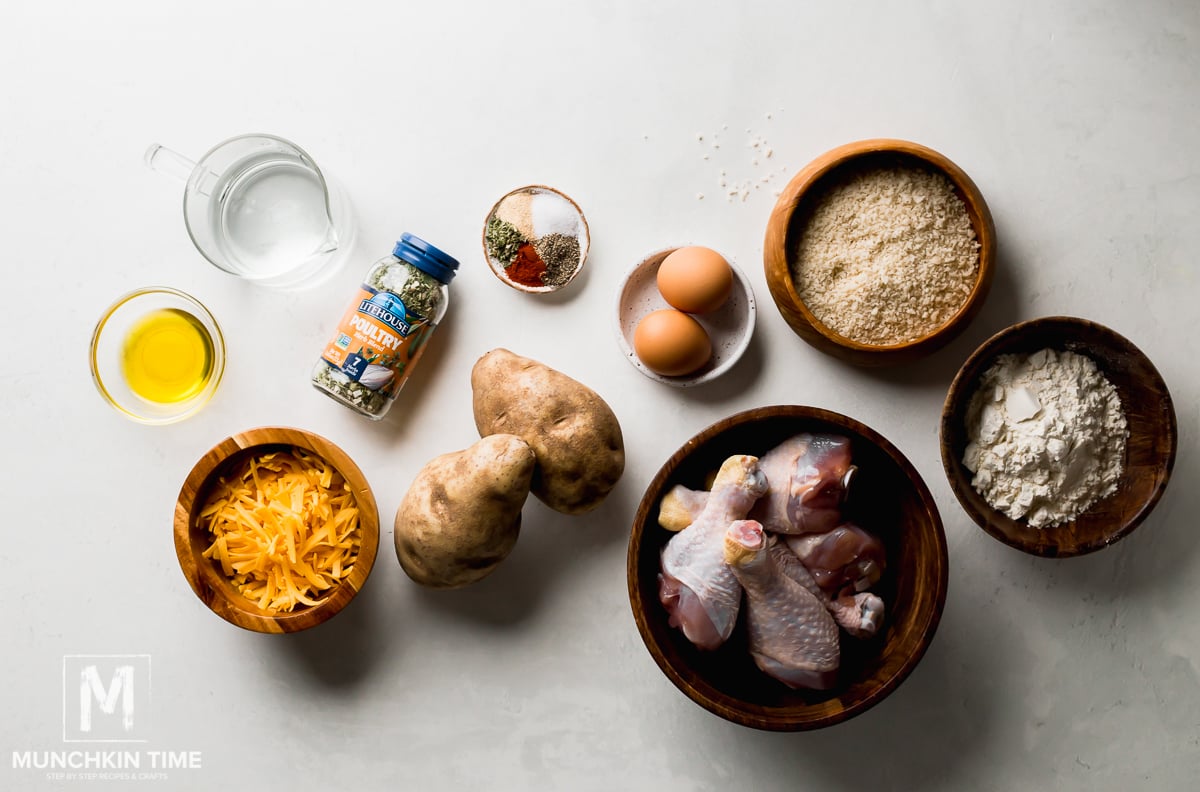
(386, 327)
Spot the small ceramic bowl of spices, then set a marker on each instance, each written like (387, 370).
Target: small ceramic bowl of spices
(536, 239)
(1058, 436)
(879, 252)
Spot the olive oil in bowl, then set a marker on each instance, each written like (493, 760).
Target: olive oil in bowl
(167, 356)
(157, 355)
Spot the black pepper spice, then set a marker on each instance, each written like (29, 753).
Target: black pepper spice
(561, 255)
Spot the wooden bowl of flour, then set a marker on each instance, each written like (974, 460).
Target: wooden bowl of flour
(790, 221)
(1150, 446)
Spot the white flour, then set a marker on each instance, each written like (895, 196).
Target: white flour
(1046, 436)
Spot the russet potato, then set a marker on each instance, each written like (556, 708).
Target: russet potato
(462, 514)
(573, 432)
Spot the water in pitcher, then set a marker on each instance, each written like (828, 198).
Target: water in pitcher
(269, 216)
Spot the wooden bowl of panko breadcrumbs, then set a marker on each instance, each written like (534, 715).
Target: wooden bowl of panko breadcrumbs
(276, 529)
(879, 252)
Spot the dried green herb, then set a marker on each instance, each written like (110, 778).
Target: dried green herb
(420, 291)
(424, 297)
(503, 240)
(337, 383)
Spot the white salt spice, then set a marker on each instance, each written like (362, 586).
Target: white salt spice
(553, 214)
(887, 257)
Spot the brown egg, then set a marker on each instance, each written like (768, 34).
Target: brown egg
(671, 343)
(695, 279)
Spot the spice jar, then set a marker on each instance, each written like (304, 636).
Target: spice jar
(384, 331)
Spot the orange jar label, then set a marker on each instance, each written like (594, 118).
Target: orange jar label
(378, 341)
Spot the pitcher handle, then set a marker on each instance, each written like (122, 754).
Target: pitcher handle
(163, 160)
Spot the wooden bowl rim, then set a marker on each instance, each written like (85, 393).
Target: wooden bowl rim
(585, 242)
(961, 389)
(776, 257)
(931, 619)
(247, 615)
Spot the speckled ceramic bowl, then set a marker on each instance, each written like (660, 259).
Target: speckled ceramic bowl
(569, 215)
(730, 327)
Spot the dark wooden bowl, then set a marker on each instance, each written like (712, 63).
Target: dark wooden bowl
(795, 206)
(1149, 451)
(205, 576)
(893, 503)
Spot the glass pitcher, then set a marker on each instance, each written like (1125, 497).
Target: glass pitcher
(257, 206)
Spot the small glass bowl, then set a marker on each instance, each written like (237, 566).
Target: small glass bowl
(108, 342)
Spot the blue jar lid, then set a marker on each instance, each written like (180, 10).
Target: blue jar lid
(426, 257)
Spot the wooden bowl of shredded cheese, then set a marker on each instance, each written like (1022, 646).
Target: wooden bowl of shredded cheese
(879, 252)
(276, 529)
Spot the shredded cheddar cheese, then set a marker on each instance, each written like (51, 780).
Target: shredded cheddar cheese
(284, 528)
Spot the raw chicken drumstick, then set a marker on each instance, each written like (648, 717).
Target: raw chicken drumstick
(680, 507)
(845, 557)
(695, 586)
(859, 614)
(792, 636)
(808, 476)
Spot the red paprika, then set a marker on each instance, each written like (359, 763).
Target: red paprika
(527, 268)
